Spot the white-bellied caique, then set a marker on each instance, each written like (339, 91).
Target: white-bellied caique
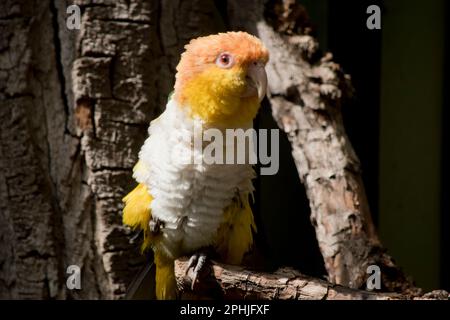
(185, 207)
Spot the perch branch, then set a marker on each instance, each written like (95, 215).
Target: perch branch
(235, 282)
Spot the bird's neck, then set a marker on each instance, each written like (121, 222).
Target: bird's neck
(217, 105)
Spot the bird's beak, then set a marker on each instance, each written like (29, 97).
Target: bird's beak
(256, 81)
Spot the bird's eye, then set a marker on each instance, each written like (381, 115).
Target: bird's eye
(225, 60)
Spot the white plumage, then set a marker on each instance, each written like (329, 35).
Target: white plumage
(189, 198)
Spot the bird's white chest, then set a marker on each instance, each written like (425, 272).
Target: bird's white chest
(189, 198)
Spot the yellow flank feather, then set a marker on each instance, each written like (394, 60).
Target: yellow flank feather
(220, 102)
(136, 212)
(235, 236)
(166, 284)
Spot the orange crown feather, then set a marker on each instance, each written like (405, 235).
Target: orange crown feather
(201, 52)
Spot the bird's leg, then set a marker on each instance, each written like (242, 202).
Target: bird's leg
(136, 236)
(155, 225)
(197, 262)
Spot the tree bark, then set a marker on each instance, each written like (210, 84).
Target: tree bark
(35, 148)
(75, 107)
(222, 281)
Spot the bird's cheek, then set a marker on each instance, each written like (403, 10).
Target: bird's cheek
(232, 85)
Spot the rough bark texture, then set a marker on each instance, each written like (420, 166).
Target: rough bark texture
(75, 107)
(74, 110)
(35, 148)
(123, 72)
(235, 282)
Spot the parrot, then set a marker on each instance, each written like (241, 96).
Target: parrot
(195, 208)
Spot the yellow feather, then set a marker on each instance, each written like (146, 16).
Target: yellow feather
(136, 212)
(235, 236)
(166, 285)
(220, 101)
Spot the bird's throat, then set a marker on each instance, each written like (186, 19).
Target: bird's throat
(218, 102)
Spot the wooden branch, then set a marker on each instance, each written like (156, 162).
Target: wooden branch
(307, 90)
(221, 281)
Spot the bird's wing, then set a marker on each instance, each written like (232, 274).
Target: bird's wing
(235, 236)
(137, 213)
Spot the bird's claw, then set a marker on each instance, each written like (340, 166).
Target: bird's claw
(197, 262)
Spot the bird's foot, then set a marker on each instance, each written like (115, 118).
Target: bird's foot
(197, 262)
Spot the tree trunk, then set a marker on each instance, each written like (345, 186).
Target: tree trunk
(75, 106)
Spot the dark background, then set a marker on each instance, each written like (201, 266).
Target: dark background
(398, 125)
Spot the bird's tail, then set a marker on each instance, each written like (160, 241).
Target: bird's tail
(166, 284)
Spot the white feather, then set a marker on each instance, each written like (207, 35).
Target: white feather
(189, 198)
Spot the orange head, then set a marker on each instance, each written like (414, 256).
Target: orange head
(221, 78)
